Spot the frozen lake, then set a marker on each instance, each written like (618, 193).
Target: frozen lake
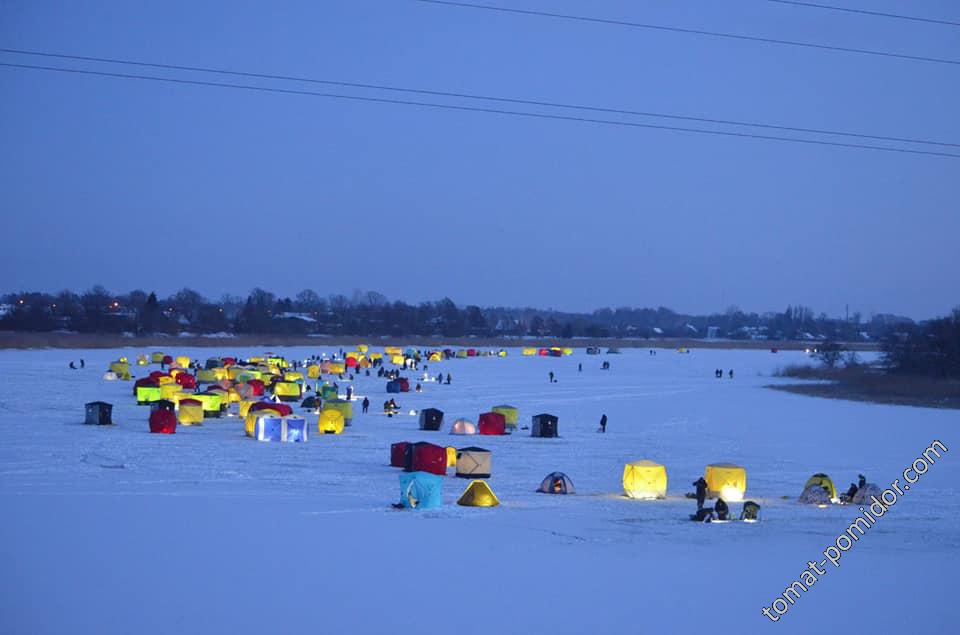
(114, 530)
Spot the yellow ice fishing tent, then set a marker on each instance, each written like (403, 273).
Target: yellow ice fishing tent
(142, 360)
(568, 351)
(645, 480)
(451, 457)
(344, 407)
(392, 350)
(435, 356)
(212, 402)
(529, 352)
(397, 360)
(287, 390)
(478, 494)
(190, 411)
(313, 371)
(502, 352)
(363, 348)
(120, 368)
(821, 480)
(166, 379)
(147, 394)
(330, 422)
(337, 368)
(510, 415)
(292, 375)
(182, 361)
(168, 391)
(206, 376)
(726, 481)
(157, 358)
(375, 356)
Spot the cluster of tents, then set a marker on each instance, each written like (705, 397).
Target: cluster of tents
(500, 420)
(424, 464)
(555, 351)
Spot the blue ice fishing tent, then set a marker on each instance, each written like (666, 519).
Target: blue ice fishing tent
(420, 490)
(269, 429)
(393, 386)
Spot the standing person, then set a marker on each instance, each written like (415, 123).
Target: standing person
(603, 423)
(580, 368)
(73, 366)
(701, 486)
(448, 378)
(82, 363)
(731, 373)
(551, 376)
(365, 405)
(349, 392)
(861, 481)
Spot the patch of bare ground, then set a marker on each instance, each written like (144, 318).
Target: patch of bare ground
(874, 385)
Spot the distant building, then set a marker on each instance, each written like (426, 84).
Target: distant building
(713, 332)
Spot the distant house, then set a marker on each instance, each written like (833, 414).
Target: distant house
(713, 332)
(304, 317)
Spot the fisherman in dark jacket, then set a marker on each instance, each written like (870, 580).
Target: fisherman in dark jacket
(862, 481)
(366, 404)
(701, 486)
(722, 510)
(603, 423)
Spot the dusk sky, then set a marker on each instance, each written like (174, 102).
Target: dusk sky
(139, 184)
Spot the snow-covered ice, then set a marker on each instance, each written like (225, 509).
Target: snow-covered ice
(113, 530)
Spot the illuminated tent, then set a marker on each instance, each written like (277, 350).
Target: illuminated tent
(398, 453)
(268, 428)
(726, 481)
(556, 483)
(292, 375)
(293, 429)
(212, 401)
(392, 350)
(250, 423)
(120, 368)
(163, 421)
(330, 422)
(451, 457)
(186, 381)
(471, 352)
(435, 356)
(544, 425)
(427, 457)
(169, 391)
(431, 419)
(492, 423)
(397, 360)
(404, 384)
(362, 348)
(257, 387)
(461, 354)
(208, 376)
(819, 489)
(510, 415)
(157, 358)
(463, 426)
(478, 494)
(502, 352)
(474, 462)
(420, 490)
(328, 392)
(190, 412)
(98, 413)
(282, 408)
(313, 371)
(287, 390)
(645, 480)
(344, 407)
(568, 351)
(529, 352)
(183, 361)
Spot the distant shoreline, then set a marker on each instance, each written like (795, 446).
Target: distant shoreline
(23, 340)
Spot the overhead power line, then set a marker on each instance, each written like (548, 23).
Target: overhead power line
(675, 29)
(879, 14)
(515, 113)
(510, 100)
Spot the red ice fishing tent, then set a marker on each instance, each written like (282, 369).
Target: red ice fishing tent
(427, 457)
(398, 453)
(163, 421)
(186, 380)
(492, 423)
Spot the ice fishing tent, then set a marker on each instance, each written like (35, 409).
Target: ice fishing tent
(268, 428)
(163, 421)
(645, 480)
(213, 362)
(393, 386)
(156, 358)
(293, 429)
(212, 401)
(330, 422)
(431, 419)
(250, 423)
(327, 392)
(463, 426)
(556, 483)
(404, 384)
(822, 482)
(420, 490)
(190, 411)
(474, 462)
(148, 393)
(163, 404)
(398, 453)
(726, 481)
(98, 413)
(492, 423)
(451, 457)
(478, 494)
(544, 425)
(427, 457)
(510, 415)
(186, 381)
(344, 407)
(593, 350)
(287, 390)
(311, 403)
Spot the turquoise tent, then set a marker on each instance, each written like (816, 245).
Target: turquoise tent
(420, 490)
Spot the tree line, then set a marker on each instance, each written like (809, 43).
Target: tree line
(138, 312)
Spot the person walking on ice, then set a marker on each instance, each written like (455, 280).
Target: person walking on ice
(603, 423)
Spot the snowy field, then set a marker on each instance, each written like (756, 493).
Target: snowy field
(113, 530)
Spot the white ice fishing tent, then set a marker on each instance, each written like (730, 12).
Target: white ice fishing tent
(463, 426)
(474, 462)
